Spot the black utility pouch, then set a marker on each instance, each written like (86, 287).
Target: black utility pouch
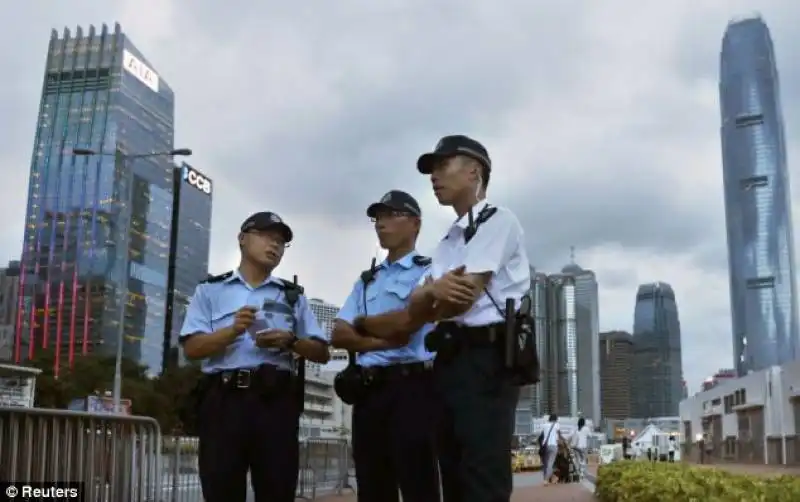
(349, 384)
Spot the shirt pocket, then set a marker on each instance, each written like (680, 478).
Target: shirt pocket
(222, 314)
(401, 289)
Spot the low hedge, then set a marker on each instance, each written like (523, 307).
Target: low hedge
(636, 481)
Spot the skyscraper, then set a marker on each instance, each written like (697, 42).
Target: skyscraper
(325, 314)
(757, 201)
(616, 374)
(587, 328)
(556, 337)
(189, 247)
(97, 229)
(657, 365)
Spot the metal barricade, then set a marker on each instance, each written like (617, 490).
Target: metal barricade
(325, 463)
(325, 469)
(116, 457)
(124, 458)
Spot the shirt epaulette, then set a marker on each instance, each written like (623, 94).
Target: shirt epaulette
(218, 278)
(421, 261)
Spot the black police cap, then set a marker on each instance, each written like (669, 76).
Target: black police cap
(396, 200)
(450, 146)
(266, 220)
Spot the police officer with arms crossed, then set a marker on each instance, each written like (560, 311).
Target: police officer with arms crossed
(247, 326)
(393, 417)
(479, 264)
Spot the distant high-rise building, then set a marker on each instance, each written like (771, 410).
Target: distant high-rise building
(587, 327)
(189, 248)
(556, 336)
(97, 227)
(616, 374)
(9, 295)
(325, 314)
(657, 365)
(758, 204)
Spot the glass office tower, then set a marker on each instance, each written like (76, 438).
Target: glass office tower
(757, 201)
(587, 321)
(189, 249)
(97, 226)
(657, 364)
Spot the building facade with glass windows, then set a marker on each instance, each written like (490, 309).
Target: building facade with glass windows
(553, 305)
(657, 365)
(97, 229)
(587, 320)
(758, 211)
(190, 243)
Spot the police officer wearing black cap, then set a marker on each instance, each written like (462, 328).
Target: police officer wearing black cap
(479, 264)
(248, 327)
(394, 406)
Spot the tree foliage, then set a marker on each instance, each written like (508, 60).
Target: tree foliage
(162, 397)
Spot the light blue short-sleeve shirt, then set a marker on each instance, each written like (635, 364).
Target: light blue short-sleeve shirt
(388, 292)
(215, 303)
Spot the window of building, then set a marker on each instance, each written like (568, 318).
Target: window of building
(749, 120)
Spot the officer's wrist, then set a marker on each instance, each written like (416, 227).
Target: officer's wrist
(358, 326)
(230, 333)
(292, 343)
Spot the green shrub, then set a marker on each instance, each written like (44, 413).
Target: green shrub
(631, 481)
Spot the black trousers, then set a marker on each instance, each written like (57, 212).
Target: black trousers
(393, 440)
(241, 430)
(477, 426)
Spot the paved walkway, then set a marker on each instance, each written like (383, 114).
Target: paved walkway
(556, 493)
(527, 487)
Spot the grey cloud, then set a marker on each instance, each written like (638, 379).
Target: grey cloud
(314, 112)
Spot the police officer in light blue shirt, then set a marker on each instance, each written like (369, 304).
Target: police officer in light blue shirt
(248, 327)
(393, 416)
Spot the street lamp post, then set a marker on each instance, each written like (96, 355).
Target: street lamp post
(121, 162)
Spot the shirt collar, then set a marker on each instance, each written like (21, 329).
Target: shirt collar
(463, 221)
(406, 261)
(237, 276)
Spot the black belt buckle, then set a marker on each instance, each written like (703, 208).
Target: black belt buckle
(243, 379)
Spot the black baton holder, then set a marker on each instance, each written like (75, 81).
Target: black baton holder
(510, 340)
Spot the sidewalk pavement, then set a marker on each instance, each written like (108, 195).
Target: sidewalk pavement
(573, 492)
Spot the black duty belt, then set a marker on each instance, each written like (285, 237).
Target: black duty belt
(245, 378)
(474, 336)
(394, 371)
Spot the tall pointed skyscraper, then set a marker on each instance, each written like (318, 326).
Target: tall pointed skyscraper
(757, 201)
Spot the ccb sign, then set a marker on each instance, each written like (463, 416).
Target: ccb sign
(197, 180)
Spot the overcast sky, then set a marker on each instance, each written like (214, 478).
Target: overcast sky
(601, 118)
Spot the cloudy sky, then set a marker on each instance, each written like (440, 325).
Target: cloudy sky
(602, 120)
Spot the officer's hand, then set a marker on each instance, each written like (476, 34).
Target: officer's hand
(274, 339)
(455, 288)
(243, 319)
